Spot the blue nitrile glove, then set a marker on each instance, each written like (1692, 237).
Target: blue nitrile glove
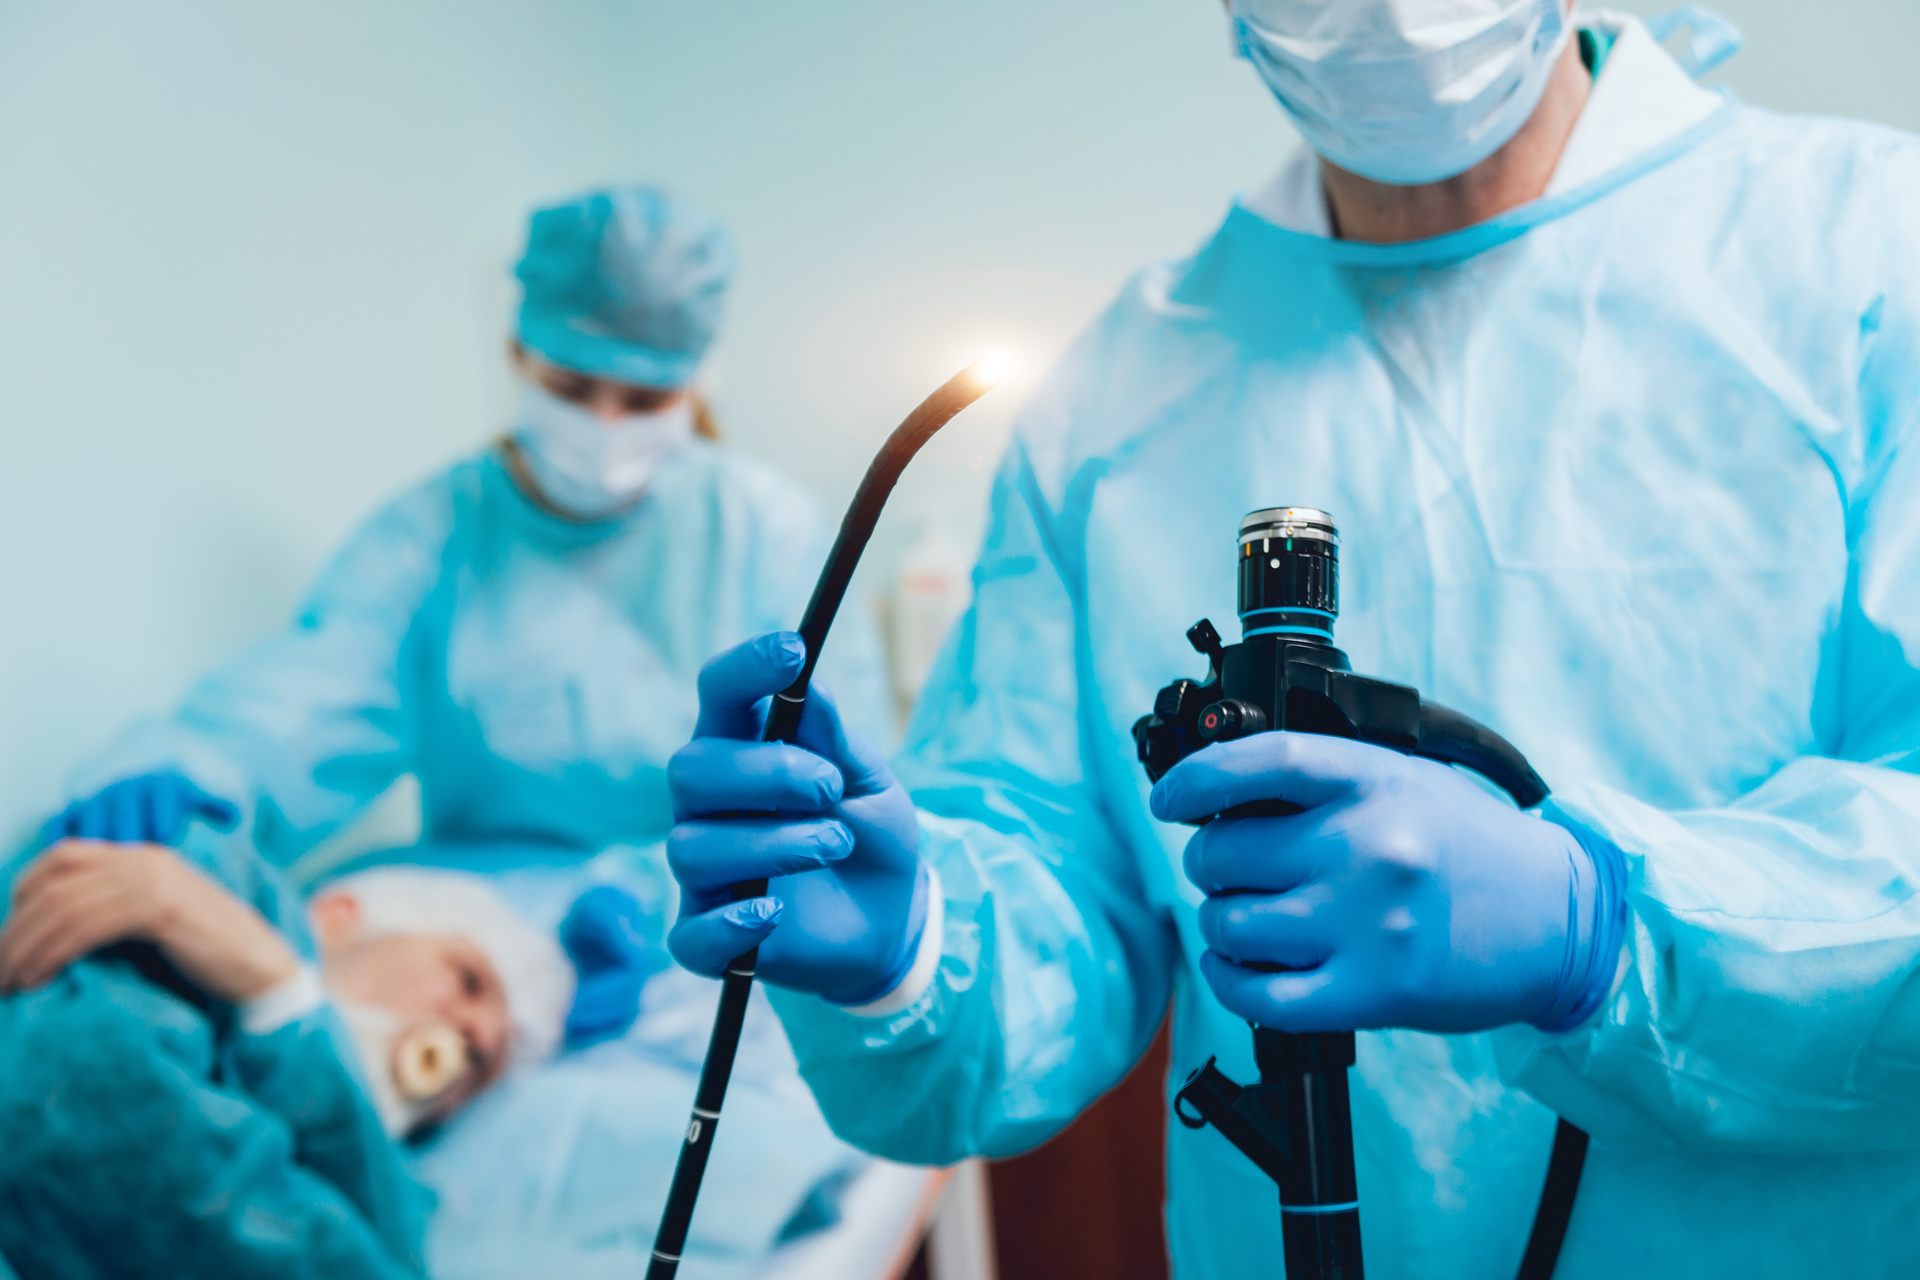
(605, 937)
(823, 819)
(1403, 896)
(153, 808)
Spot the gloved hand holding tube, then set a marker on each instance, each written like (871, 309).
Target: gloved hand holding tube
(822, 819)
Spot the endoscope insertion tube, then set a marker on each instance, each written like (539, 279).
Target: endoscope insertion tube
(783, 722)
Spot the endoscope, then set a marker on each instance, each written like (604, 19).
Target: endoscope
(1295, 1123)
(783, 722)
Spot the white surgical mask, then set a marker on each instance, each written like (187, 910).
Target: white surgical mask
(1404, 91)
(409, 1067)
(589, 466)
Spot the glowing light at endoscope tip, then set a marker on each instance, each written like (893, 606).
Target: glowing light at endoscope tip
(990, 368)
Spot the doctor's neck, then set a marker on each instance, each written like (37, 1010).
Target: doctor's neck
(1363, 209)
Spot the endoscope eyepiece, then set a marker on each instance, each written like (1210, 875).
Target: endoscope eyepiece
(1288, 522)
(1289, 573)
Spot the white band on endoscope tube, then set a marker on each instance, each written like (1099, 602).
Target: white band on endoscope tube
(926, 959)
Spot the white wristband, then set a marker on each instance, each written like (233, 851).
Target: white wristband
(926, 959)
(284, 1002)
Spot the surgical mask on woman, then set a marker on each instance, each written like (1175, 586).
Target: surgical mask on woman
(1404, 91)
(590, 466)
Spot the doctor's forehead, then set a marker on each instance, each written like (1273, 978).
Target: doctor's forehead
(558, 374)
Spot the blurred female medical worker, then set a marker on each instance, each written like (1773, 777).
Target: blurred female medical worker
(523, 630)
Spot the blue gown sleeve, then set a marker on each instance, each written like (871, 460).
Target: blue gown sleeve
(1766, 994)
(131, 1145)
(303, 1073)
(1055, 970)
(306, 728)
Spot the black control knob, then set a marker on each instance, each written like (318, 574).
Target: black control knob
(1158, 744)
(1231, 718)
(1205, 639)
(1178, 700)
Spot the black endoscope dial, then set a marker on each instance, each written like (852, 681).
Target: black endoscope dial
(1178, 699)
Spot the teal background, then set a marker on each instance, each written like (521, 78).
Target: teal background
(253, 258)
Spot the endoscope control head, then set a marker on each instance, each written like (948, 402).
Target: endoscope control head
(1289, 594)
(1286, 673)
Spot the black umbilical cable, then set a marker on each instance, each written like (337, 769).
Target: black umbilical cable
(783, 722)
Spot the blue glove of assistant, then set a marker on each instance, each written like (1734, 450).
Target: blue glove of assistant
(153, 808)
(1403, 895)
(823, 819)
(605, 936)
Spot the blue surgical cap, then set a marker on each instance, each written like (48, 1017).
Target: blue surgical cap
(626, 284)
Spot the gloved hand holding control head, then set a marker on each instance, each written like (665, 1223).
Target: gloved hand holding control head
(1355, 879)
(1403, 895)
(823, 820)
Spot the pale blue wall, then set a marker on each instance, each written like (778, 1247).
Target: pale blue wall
(252, 257)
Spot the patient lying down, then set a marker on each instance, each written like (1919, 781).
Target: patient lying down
(184, 1091)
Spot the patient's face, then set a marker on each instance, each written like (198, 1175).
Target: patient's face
(424, 979)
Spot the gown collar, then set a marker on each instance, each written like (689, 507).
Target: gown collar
(1643, 110)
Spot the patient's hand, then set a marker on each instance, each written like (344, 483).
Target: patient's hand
(81, 895)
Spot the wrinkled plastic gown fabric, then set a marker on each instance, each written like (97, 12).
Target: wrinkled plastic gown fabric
(1630, 475)
(561, 1169)
(144, 1134)
(535, 674)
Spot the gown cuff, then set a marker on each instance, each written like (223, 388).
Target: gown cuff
(1596, 926)
(926, 956)
(283, 1003)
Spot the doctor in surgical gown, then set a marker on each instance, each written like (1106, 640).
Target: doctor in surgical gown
(521, 631)
(1629, 472)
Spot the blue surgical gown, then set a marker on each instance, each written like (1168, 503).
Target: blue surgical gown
(534, 673)
(1631, 475)
(143, 1132)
